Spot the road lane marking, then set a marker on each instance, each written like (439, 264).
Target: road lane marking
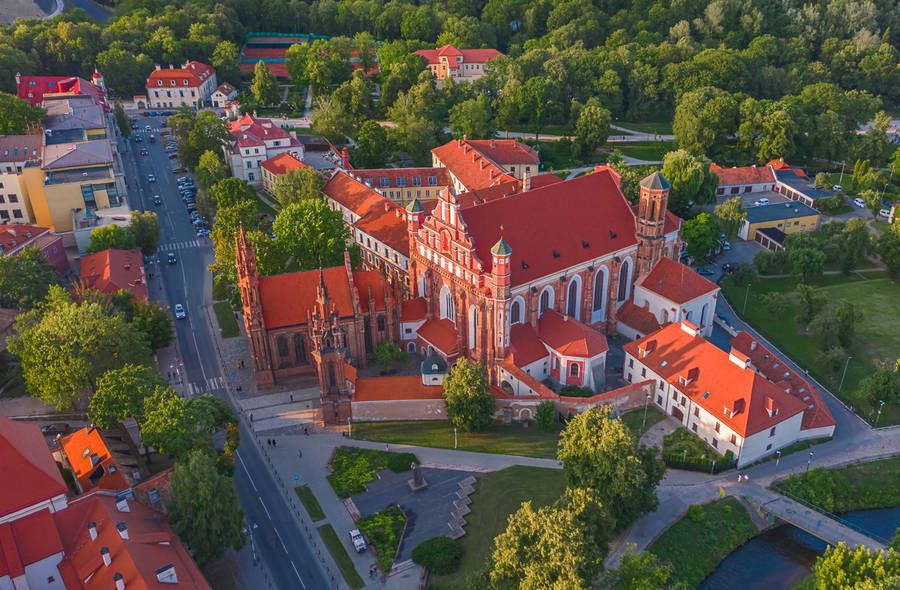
(247, 471)
(283, 546)
(298, 573)
(270, 518)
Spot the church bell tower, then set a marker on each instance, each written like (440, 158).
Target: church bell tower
(651, 221)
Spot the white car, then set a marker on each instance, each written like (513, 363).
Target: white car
(358, 542)
(885, 213)
(837, 187)
(859, 203)
(180, 314)
(763, 201)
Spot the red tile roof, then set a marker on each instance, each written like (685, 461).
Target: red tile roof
(506, 151)
(525, 378)
(15, 236)
(676, 282)
(413, 310)
(638, 318)
(816, 414)
(578, 220)
(441, 334)
(742, 175)
(112, 269)
(780, 164)
(351, 193)
(283, 163)
(249, 131)
(677, 352)
(33, 88)
(488, 194)
(20, 148)
(372, 177)
(451, 52)
(87, 453)
(27, 540)
(524, 345)
(225, 88)
(569, 337)
(287, 297)
(151, 546)
(24, 452)
(539, 180)
(473, 168)
(371, 389)
(194, 72)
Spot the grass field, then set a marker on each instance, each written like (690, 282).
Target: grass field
(695, 546)
(310, 503)
(877, 333)
(644, 150)
(341, 557)
(658, 128)
(861, 486)
(881, 226)
(497, 495)
(264, 207)
(225, 318)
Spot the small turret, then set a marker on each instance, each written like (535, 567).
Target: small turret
(500, 255)
(97, 79)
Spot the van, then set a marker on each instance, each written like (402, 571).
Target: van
(885, 213)
(859, 203)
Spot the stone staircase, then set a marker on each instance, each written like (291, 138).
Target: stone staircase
(461, 508)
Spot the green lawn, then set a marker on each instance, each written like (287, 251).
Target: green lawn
(225, 317)
(634, 420)
(264, 207)
(696, 544)
(644, 150)
(881, 226)
(657, 128)
(354, 467)
(861, 486)
(341, 557)
(685, 444)
(791, 449)
(497, 495)
(877, 333)
(309, 501)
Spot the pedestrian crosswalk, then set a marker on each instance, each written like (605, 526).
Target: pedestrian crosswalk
(196, 388)
(184, 245)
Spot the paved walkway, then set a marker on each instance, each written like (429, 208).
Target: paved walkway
(654, 435)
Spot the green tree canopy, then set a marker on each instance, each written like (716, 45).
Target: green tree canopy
(198, 133)
(704, 119)
(265, 87)
(467, 393)
(16, 115)
(167, 424)
(205, 512)
(25, 278)
(146, 316)
(691, 180)
(313, 233)
(841, 568)
(145, 229)
(701, 235)
(298, 185)
(473, 118)
(372, 148)
(226, 60)
(330, 118)
(640, 572)
(210, 169)
(731, 216)
(122, 121)
(121, 393)
(111, 236)
(599, 452)
(807, 263)
(591, 130)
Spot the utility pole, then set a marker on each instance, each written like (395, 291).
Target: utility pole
(877, 418)
(844, 374)
(746, 296)
(644, 421)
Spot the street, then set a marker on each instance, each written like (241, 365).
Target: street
(278, 540)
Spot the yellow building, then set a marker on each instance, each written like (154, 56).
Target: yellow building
(778, 218)
(404, 185)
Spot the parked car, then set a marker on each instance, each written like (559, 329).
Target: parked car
(173, 156)
(171, 147)
(762, 201)
(203, 232)
(152, 138)
(145, 153)
(885, 213)
(180, 314)
(358, 542)
(137, 139)
(859, 203)
(55, 428)
(837, 187)
(726, 246)
(172, 259)
(728, 268)
(157, 200)
(705, 271)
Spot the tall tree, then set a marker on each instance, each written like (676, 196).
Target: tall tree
(25, 278)
(599, 452)
(889, 251)
(265, 87)
(121, 393)
(205, 512)
(691, 181)
(122, 121)
(147, 316)
(731, 216)
(16, 115)
(226, 60)
(704, 120)
(330, 118)
(313, 233)
(467, 394)
(298, 185)
(591, 130)
(372, 149)
(167, 423)
(145, 229)
(701, 235)
(539, 102)
(473, 118)
(860, 568)
(197, 134)
(210, 170)
(639, 572)
(807, 263)
(111, 236)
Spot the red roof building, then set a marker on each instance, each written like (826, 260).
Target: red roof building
(479, 164)
(111, 270)
(91, 461)
(404, 185)
(276, 166)
(17, 236)
(192, 84)
(223, 95)
(38, 482)
(33, 88)
(746, 179)
(459, 64)
(256, 140)
(715, 394)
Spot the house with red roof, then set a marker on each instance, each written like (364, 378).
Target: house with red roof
(745, 179)
(404, 185)
(112, 270)
(34, 88)
(475, 164)
(192, 84)
(275, 166)
(222, 96)
(255, 140)
(90, 460)
(718, 395)
(15, 237)
(462, 65)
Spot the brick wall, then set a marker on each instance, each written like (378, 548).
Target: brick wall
(630, 397)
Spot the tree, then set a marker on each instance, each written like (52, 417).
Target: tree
(197, 134)
(299, 185)
(639, 572)
(265, 87)
(111, 236)
(731, 216)
(467, 394)
(539, 101)
(439, 555)
(776, 303)
(704, 119)
(167, 423)
(146, 316)
(313, 233)
(145, 229)
(121, 393)
(743, 274)
(205, 511)
(64, 347)
(841, 568)
(691, 180)
(546, 415)
(25, 278)
(807, 263)
(210, 170)
(330, 118)
(16, 115)
(591, 130)
(809, 303)
(122, 121)
(372, 148)
(882, 385)
(889, 251)
(226, 60)
(599, 452)
(701, 235)
(473, 118)
(387, 353)
(507, 106)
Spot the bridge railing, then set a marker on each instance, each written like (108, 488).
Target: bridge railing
(836, 518)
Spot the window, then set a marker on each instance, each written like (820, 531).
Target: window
(572, 307)
(87, 192)
(250, 176)
(694, 427)
(515, 313)
(734, 439)
(662, 385)
(545, 300)
(432, 180)
(13, 198)
(721, 191)
(748, 189)
(624, 277)
(381, 323)
(735, 190)
(17, 213)
(417, 181)
(4, 214)
(715, 443)
(401, 182)
(600, 291)
(718, 426)
(281, 343)
(644, 372)
(630, 363)
(769, 447)
(772, 432)
(684, 401)
(573, 369)
(659, 400)
(697, 412)
(385, 182)
(1, 199)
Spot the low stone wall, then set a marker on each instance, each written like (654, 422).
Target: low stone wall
(630, 397)
(406, 409)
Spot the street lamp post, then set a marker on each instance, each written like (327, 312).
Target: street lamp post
(454, 437)
(644, 421)
(349, 428)
(880, 406)
(746, 296)
(844, 374)
(809, 460)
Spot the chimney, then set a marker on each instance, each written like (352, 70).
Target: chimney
(122, 505)
(689, 327)
(120, 581)
(753, 345)
(104, 553)
(493, 144)
(92, 529)
(158, 67)
(526, 181)
(771, 407)
(166, 574)
(387, 206)
(738, 358)
(171, 67)
(345, 158)
(123, 530)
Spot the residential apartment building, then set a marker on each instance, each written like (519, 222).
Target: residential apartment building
(192, 84)
(35, 88)
(112, 270)
(255, 140)
(275, 166)
(463, 65)
(15, 152)
(770, 224)
(404, 185)
(475, 164)
(16, 237)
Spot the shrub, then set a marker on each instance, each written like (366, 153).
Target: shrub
(400, 462)
(387, 354)
(222, 289)
(439, 555)
(546, 415)
(575, 391)
(354, 468)
(695, 513)
(384, 530)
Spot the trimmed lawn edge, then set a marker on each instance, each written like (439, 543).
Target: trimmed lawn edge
(228, 326)
(341, 557)
(310, 503)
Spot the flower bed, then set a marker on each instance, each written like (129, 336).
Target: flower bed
(353, 468)
(384, 530)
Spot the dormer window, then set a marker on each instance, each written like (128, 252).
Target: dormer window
(173, 82)
(185, 82)
(159, 82)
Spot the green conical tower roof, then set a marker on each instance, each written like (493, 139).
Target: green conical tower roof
(501, 248)
(415, 207)
(655, 182)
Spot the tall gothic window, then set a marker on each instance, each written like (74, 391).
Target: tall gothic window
(599, 290)
(572, 304)
(515, 313)
(281, 343)
(300, 348)
(545, 300)
(623, 280)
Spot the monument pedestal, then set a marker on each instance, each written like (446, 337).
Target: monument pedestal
(417, 483)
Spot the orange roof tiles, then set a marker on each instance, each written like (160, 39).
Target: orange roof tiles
(578, 220)
(91, 461)
(112, 269)
(742, 175)
(24, 452)
(351, 193)
(676, 282)
(193, 72)
(716, 382)
(569, 337)
(524, 345)
(539, 180)
(441, 334)
(14, 236)
(451, 52)
(387, 223)
(413, 310)
(489, 193)
(371, 389)
(283, 163)
(638, 318)
(372, 177)
(473, 168)
(506, 151)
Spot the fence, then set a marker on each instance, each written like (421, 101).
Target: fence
(835, 517)
(678, 461)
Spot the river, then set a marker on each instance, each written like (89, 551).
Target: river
(780, 557)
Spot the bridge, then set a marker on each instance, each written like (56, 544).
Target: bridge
(805, 516)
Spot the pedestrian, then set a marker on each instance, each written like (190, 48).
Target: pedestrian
(292, 396)
(251, 417)
(740, 477)
(169, 374)
(306, 430)
(274, 442)
(747, 477)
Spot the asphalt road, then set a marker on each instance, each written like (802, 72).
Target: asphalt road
(278, 540)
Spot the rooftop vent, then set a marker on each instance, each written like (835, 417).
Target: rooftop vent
(612, 235)
(555, 254)
(585, 244)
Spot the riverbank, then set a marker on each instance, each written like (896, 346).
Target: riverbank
(861, 486)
